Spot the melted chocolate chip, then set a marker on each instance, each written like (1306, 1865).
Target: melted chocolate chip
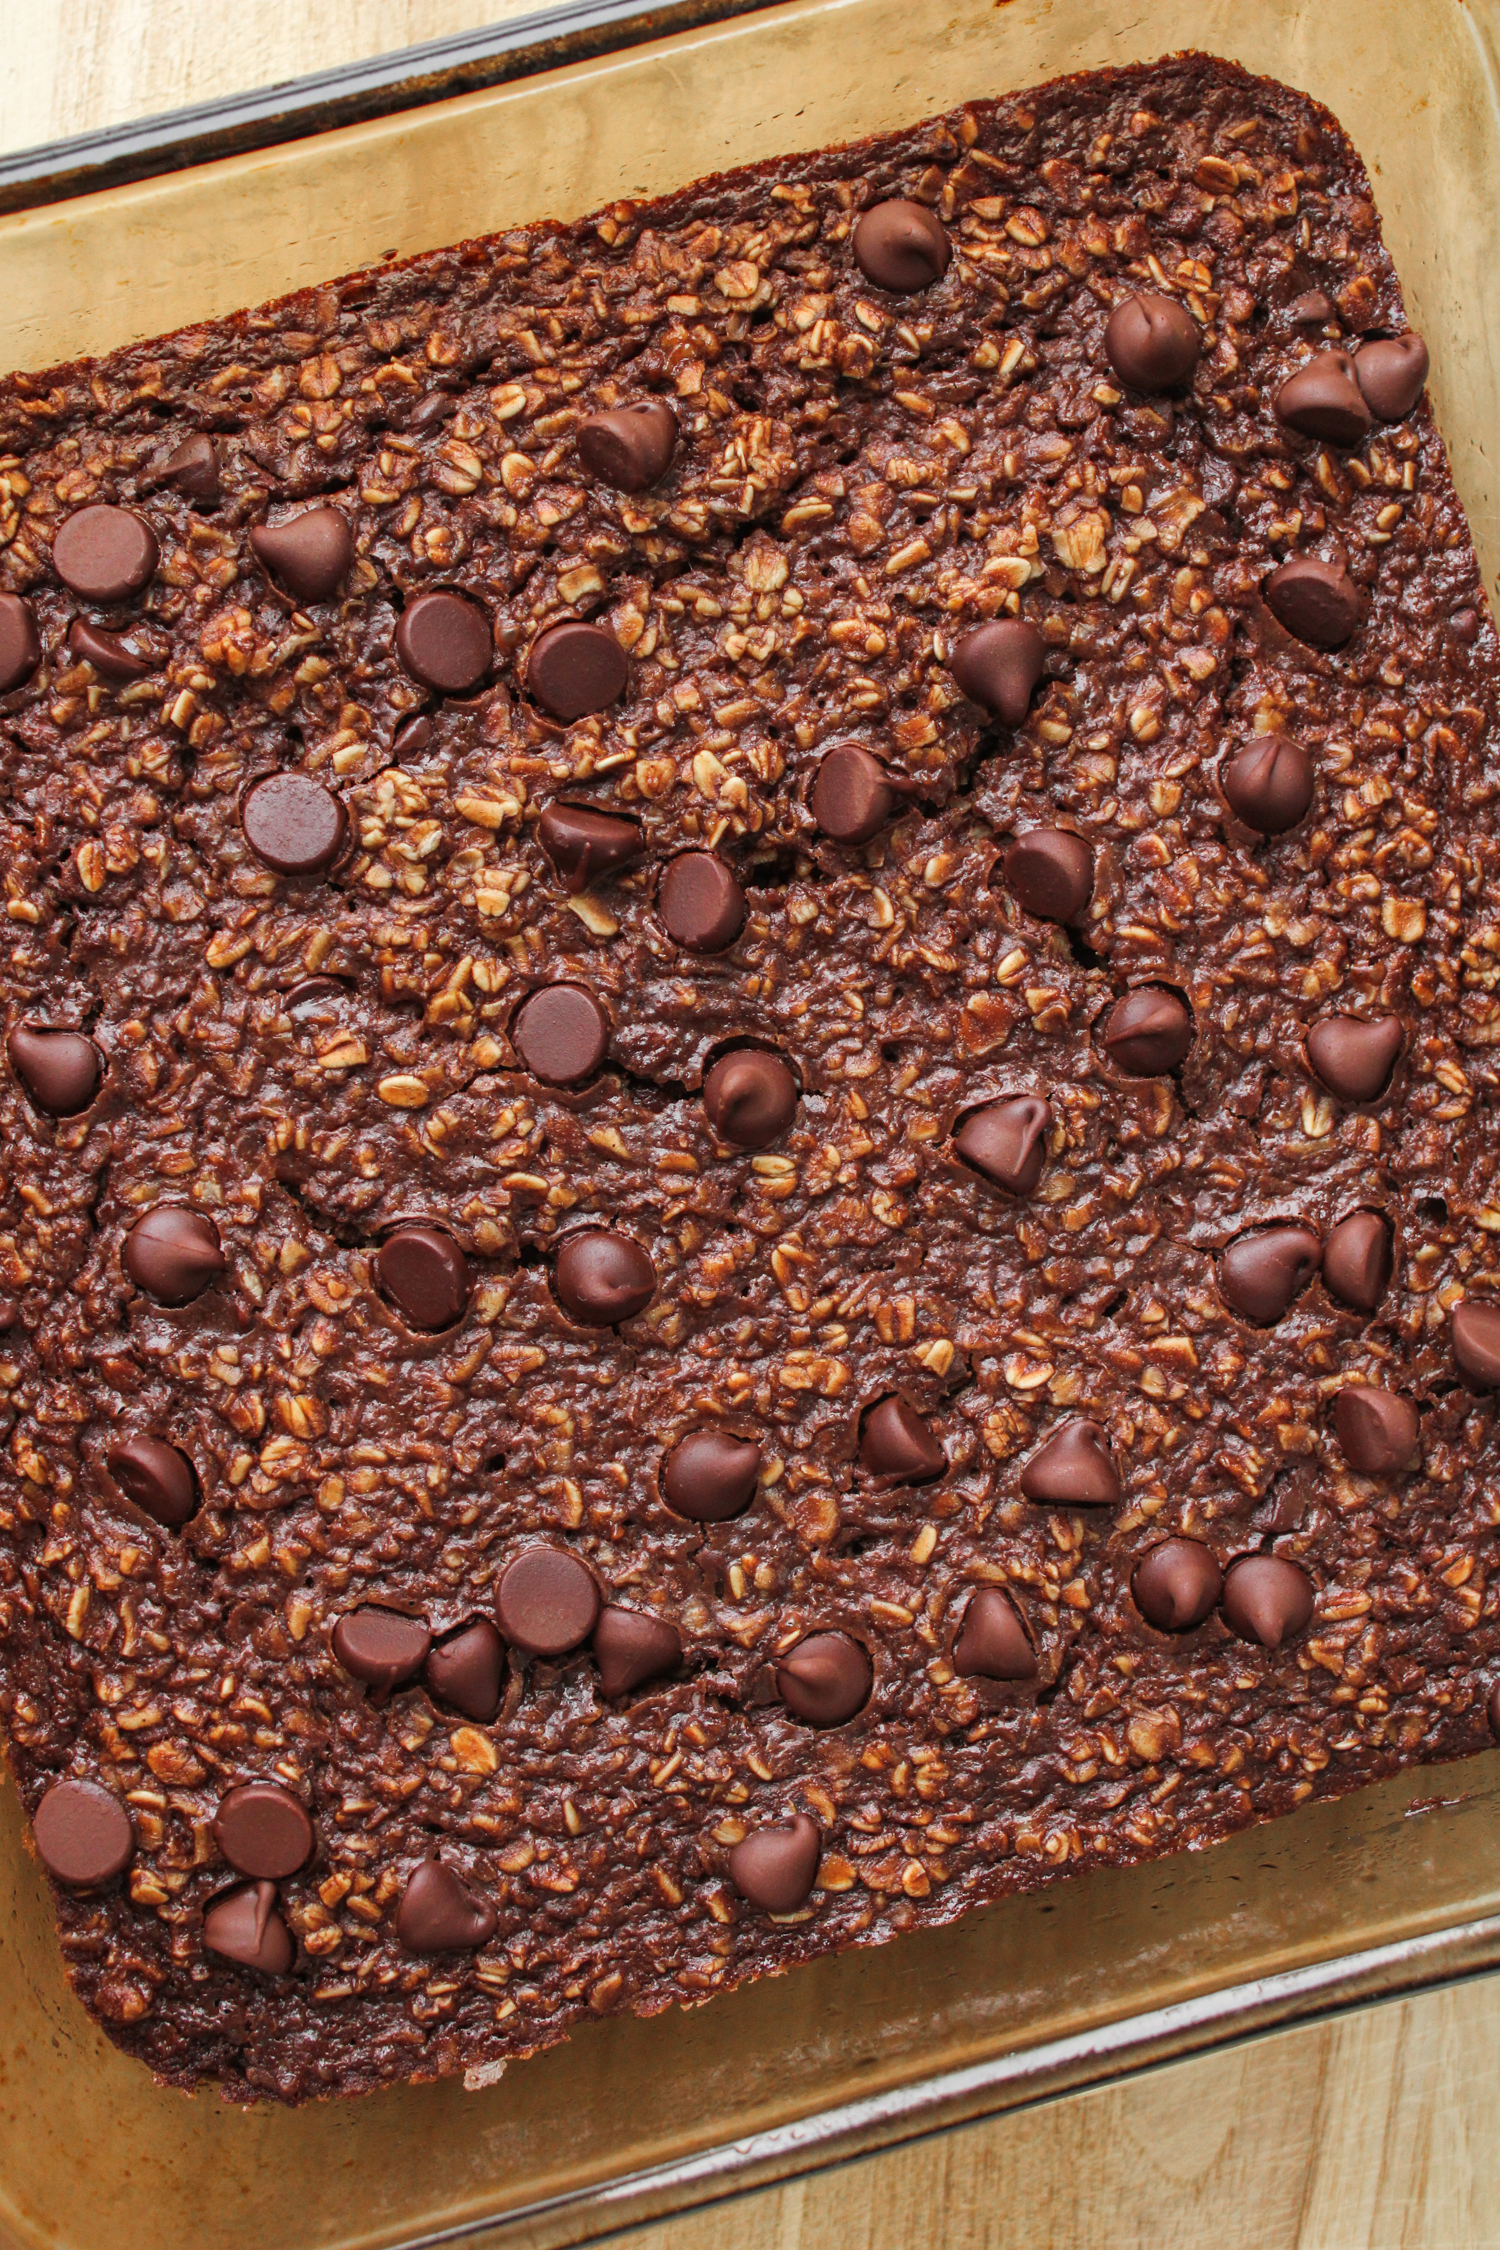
(575, 669)
(894, 1441)
(443, 640)
(1358, 1260)
(1313, 309)
(630, 1649)
(1050, 872)
(173, 1254)
(1267, 1599)
(1354, 1056)
(60, 1070)
(1152, 343)
(561, 1034)
(105, 554)
(851, 799)
(263, 1830)
(583, 844)
(431, 411)
(193, 469)
(710, 1476)
(467, 1670)
(1073, 1469)
(112, 658)
(83, 1833)
(20, 643)
(1006, 1142)
(244, 1926)
(1391, 373)
(309, 555)
(901, 246)
(825, 1679)
(157, 1477)
(1323, 400)
(547, 1601)
(380, 1647)
(749, 1098)
(629, 447)
(1476, 1344)
(602, 1277)
(993, 1644)
(1378, 1430)
(700, 902)
(424, 1274)
(1263, 1273)
(775, 1868)
(438, 1915)
(1148, 1031)
(1269, 785)
(1176, 1584)
(412, 737)
(293, 824)
(998, 665)
(1318, 602)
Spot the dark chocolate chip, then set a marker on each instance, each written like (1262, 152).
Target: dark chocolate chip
(443, 640)
(1476, 1345)
(412, 736)
(630, 1649)
(111, 658)
(438, 1914)
(263, 1830)
(710, 1476)
(317, 1000)
(1391, 373)
(561, 1034)
(309, 554)
(1267, 1599)
(1354, 1056)
(776, 1868)
(993, 1644)
(901, 246)
(603, 1277)
(1073, 1469)
(380, 1647)
(1318, 602)
(293, 823)
(193, 470)
(467, 1670)
(1263, 1273)
(583, 844)
(1377, 1429)
(1006, 1141)
(173, 1254)
(1148, 1031)
(1050, 872)
(1313, 309)
(825, 1679)
(629, 447)
(83, 1833)
(1358, 1259)
(105, 554)
(851, 799)
(749, 1098)
(434, 408)
(1464, 627)
(20, 643)
(1323, 400)
(575, 669)
(157, 1477)
(244, 1926)
(1269, 784)
(700, 902)
(894, 1441)
(60, 1070)
(1176, 1584)
(547, 1601)
(998, 666)
(1152, 343)
(424, 1274)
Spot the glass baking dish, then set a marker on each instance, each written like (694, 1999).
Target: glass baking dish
(1385, 1890)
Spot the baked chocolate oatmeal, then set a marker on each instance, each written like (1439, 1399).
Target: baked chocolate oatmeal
(749, 995)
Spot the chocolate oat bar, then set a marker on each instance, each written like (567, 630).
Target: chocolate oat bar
(750, 995)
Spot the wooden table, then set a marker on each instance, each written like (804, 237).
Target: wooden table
(1378, 2130)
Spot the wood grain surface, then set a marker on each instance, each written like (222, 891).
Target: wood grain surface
(1371, 2131)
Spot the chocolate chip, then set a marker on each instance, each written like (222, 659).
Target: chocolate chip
(630, 1649)
(998, 665)
(110, 656)
(157, 1477)
(1313, 309)
(1476, 1345)
(1267, 1599)
(776, 1868)
(317, 1000)
(1464, 627)
(1050, 872)
(1354, 1056)
(629, 447)
(380, 1647)
(603, 1278)
(1152, 343)
(293, 823)
(1148, 1031)
(1323, 400)
(1006, 1141)
(583, 844)
(412, 737)
(1176, 1584)
(1377, 1429)
(710, 1476)
(83, 1833)
(438, 1915)
(825, 1679)
(993, 1644)
(547, 1601)
(1358, 1259)
(1318, 602)
(430, 411)
(309, 554)
(749, 1098)
(1073, 1469)
(894, 1441)
(467, 1670)
(443, 639)
(262, 1829)
(20, 643)
(193, 470)
(173, 1254)
(851, 799)
(244, 1926)
(60, 1070)
(700, 902)
(1263, 1273)
(1391, 373)
(575, 669)
(561, 1034)
(104, 554)
(424, 1274)
(1269, 785)
(901, 246)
